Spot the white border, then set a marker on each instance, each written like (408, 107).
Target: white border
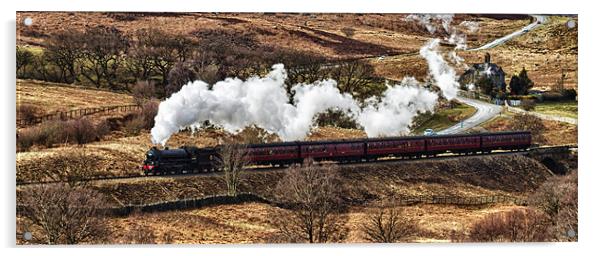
(589, 178)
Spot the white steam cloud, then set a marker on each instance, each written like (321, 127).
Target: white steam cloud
(399, 105)
(427, 20)
(263, 102)
(444, 75)
(472, 26)
(235, 104)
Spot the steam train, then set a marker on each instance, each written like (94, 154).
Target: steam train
(193, 159)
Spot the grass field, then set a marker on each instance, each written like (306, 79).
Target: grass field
(565, 109)
(444, 118)
(52, 97)
(554, 133)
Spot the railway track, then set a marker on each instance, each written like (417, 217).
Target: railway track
(390, 160)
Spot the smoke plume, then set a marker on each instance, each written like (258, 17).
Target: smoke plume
(429, 21)
(263, 102)
(472, 26)
(394, 113)
(443, 75)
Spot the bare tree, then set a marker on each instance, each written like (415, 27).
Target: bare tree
(24, 58)
(140, 62)
(160, 52)
(64, 50)
(313, 196)
(64, 214)
(72, 168)
(102, 55)
(232, 160)
(301, 67)
(352, 76)
(388, 226)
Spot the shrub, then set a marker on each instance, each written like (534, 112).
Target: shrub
(557, 198)
(123, 16)
(569, 94)
(46, 134)
(64, 214)
(141, 235)
(526, 122)
(178, 76)
(49, 133)
(313, 195)
(148, 113)
(134, 125)
(388, 226)
(527, 105)
(143, 91)
(27, 112)
(336, 118)
(80, 131)
(25, 140)
(349, 32)
(522, 97)
(144, 119)
(518, 225)
(552, 96)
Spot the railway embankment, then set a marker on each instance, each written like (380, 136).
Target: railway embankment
(509, 175)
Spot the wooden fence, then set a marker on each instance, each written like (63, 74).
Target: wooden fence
(462, 200)
(76, 113)
(195, 203)
(191, 203)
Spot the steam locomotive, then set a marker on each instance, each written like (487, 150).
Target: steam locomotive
(193, 159)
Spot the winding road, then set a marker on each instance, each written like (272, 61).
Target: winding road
(486, 111)
(539, 19)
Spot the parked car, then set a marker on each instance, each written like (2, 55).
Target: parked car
(429, 132)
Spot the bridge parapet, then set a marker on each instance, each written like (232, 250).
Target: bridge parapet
(553, 157)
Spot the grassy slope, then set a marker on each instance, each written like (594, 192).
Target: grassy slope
(252, 222)
(52, 97)
(555, 133)
(374, 34)
(444, 118)
(566, 109)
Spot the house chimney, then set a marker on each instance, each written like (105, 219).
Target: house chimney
(487, 58)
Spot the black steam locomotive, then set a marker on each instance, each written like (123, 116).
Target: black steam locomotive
(192, 159)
